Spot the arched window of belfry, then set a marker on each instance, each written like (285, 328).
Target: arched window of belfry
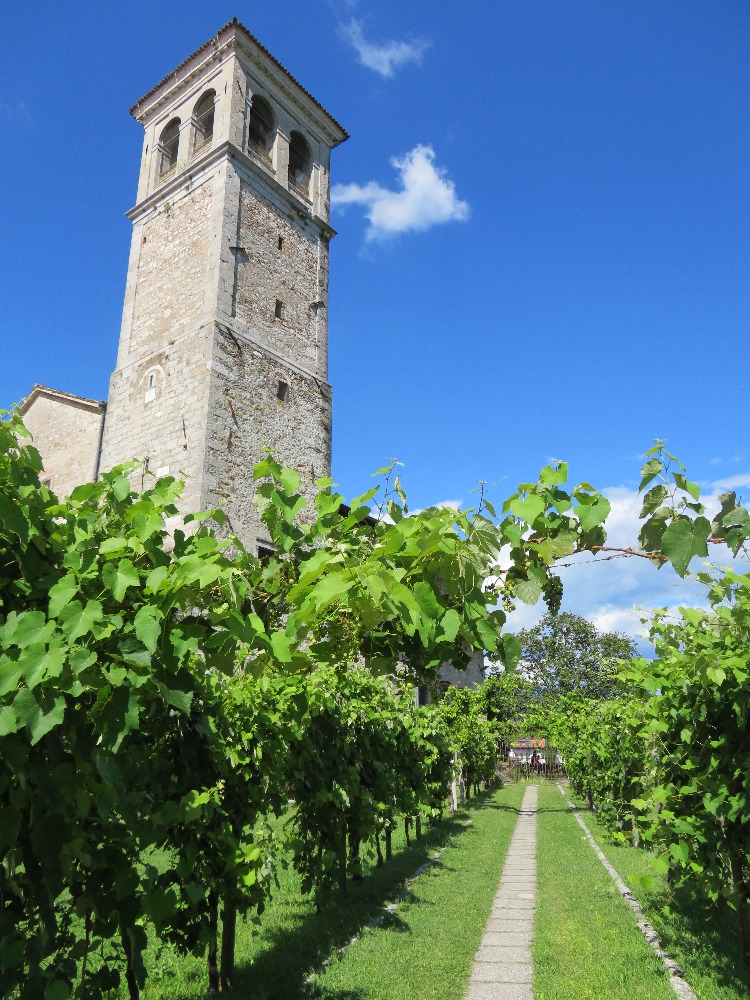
(169, 141)
(300, 162)
(203, 118)
(262, 130)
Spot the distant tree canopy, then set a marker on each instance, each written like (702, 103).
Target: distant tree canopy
(564, 653)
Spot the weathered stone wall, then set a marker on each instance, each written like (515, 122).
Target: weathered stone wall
(266, 272)
(245, 414)
(65, 431)
(157, 409)
(174, 255)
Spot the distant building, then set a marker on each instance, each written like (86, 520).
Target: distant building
(523, 749)
(450, 676)
(67, 431)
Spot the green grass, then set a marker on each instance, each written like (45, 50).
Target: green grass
(587, 945)
(425, 951)
(291, 941)
(700, 936)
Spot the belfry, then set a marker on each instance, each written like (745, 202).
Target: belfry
(223, 346)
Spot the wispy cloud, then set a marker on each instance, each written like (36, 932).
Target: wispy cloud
(426, 197)
(732, 483)
(384, 57)
(17, 112)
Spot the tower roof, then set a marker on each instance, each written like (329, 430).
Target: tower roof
(231, 29)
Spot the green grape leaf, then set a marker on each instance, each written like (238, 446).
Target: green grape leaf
(653, 500)
(650, 471)
(684, 539)
(8, 720)
(528, 509)
(118, 576)
(449, 626)
(591, 515)
(78, 621)
(62, 592)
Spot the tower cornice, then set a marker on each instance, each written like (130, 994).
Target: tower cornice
(192, 175)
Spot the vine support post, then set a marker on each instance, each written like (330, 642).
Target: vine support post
(342, 858)
(740, 888)
(636, 829)
(126, 939)
(213, 930)
(377, 849)
(228, 935)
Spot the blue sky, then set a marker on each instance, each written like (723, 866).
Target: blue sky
(543, 216)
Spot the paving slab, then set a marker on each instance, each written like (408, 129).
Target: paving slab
(502, 967)
(499, 991)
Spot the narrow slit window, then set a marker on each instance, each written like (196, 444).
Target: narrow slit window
(279, 309)
(283, 391)
(281, 243)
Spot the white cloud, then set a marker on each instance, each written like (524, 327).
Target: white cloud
(426, 197)
(386, 57)
(449, 504)
(733, 482)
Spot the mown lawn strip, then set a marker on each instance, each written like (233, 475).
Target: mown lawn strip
(699, 935)
(587, 945)
(426, 948)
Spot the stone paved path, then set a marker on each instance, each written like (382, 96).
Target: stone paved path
(502, 968)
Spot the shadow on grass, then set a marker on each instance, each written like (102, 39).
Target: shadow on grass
(705, 935)
(291, 952)
(500, 806)
(702, 936)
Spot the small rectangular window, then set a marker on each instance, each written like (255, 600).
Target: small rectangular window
(279, 310)
(283, 391)
(281, 242)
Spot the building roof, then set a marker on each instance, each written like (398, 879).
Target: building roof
(234, 23)
(61, 397)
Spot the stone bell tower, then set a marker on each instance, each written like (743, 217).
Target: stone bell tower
(223, 347)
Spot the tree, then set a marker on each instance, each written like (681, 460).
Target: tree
(564, 653)
(506, 697)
